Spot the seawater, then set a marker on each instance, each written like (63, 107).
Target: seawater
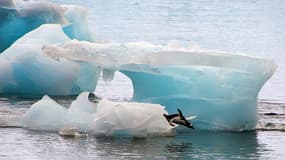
(23, 144)
(252, 27)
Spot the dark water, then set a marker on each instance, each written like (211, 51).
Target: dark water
(23, 144)
(247, 26)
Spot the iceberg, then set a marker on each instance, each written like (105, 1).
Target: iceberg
(21, 16)
(26, 71)
(221, 89)
(81, 113)
(105, 118)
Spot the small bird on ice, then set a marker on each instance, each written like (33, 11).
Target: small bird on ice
(178, 119)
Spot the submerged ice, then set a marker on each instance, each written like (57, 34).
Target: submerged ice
(18, 17)
(26, 70)
(220, 88)
(106, 118)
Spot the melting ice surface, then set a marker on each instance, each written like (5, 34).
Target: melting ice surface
(105, 118)
(25, 70)
(220, 88)
(18, 17)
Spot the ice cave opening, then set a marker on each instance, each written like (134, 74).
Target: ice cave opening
(118, 89)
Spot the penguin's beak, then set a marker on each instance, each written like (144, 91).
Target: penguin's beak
(191, 126)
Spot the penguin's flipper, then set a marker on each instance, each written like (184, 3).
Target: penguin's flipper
(191, 117)
(180, 113)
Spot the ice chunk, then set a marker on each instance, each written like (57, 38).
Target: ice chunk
(45, 115)
(130, 119)
(220, 88)
(48, 115)
(106, 118)
(25, 70)
(77, 27)
(108, 74)
(81, 113)
(20, 17)
(71, 132)
(10, 121)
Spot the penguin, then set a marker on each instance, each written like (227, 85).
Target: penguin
(93, 98)
(178, 119)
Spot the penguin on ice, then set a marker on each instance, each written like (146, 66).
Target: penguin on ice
(93, 98)
(178, 119)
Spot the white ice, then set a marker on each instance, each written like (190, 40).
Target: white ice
(80, 113)
(45, 115)
(130, 119)
(106, 118)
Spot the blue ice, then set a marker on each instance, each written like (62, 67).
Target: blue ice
(19, 17)
(26, 71)
(221, 89)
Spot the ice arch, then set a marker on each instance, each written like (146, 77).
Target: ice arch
(119, 89)
(221, 89)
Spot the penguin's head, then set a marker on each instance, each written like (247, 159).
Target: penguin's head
(93, 98)
(190, 125)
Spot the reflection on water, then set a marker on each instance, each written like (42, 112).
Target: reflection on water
(23, 144)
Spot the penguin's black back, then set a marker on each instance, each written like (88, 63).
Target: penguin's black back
(169, 117)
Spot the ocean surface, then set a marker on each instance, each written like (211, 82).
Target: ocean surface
(250, 27)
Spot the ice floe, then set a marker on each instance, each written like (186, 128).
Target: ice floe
(106, 118)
